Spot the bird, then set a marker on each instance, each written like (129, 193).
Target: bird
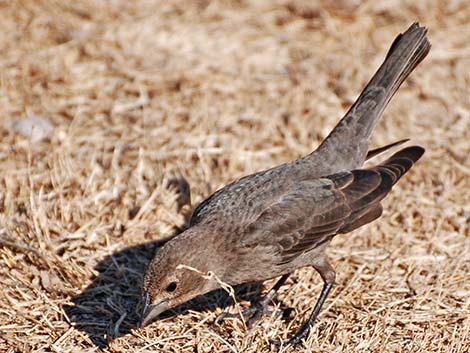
(270, 223)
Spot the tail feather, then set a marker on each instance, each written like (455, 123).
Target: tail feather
(346, 146)
(375, 152)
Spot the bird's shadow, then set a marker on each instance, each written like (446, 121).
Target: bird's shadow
(111, 305)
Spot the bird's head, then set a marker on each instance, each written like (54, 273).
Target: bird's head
(176, 274)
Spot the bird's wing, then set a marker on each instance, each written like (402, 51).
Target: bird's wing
(312, 211)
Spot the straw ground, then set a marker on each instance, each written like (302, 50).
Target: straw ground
(137, 93)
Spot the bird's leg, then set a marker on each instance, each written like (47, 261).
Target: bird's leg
(306, 326)
(258, 309)
(328, 275)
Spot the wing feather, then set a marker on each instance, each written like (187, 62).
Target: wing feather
(313, 211)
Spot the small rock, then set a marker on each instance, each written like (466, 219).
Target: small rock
(35, 127)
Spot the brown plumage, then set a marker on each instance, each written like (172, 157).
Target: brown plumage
(270, 223)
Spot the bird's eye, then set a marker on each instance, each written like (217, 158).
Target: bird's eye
(171, 287)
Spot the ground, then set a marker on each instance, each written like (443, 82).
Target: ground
(125, 96)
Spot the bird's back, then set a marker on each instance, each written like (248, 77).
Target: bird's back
(245, 198)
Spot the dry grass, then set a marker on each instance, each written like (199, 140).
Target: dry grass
(139, 92)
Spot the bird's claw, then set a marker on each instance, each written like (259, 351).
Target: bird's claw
(292, 341)
(221, 317)
(251, 315)
(260, 310)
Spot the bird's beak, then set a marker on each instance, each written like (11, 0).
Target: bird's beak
(151, 311)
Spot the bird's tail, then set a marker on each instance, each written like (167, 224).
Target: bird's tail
(346, 146)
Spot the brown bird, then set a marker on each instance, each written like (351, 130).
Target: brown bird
(271, 223)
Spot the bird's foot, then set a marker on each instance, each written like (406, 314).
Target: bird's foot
(291, 341)
(251, 315)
